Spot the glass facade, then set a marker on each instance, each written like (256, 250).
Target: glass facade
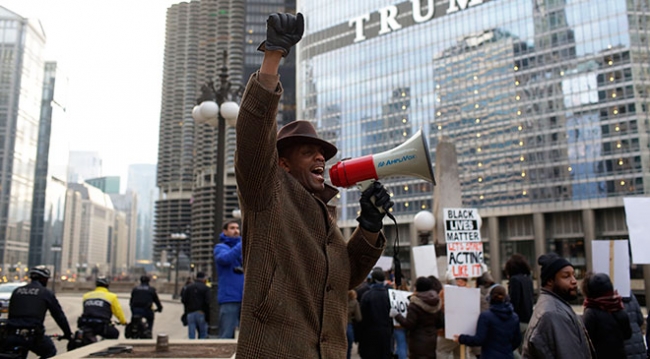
(21, 79)
(546, 102)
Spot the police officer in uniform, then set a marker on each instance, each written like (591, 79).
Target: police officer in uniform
(142, 298)
(99, 307)
(27, 308)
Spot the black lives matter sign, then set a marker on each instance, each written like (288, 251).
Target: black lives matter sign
(464, 246)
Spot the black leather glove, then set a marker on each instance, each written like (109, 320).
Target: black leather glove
(159, 310)
(371, 217)
(282, 32)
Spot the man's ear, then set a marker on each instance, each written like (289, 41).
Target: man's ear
(284, 163)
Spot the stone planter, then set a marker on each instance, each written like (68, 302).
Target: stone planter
(146, 348)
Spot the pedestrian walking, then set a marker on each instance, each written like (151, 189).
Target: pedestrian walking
(229, 262)
(196, 304)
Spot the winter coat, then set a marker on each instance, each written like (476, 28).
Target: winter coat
(608, 331)
(227, 257)
(497, 332)
(376, 325)
(298, 267)
(354, 311)
(520, 290)
(635, 346)
(422, 322)
(555, 331)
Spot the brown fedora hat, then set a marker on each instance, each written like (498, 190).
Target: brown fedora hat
(303, 132)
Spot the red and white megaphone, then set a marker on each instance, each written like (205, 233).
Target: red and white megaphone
(408, 159)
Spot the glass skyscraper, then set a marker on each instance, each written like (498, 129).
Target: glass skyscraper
(22, 43)
(546, 102)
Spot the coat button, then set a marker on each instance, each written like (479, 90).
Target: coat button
(329, 288)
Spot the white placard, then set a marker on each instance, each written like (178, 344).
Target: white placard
(464, 246)
(601, 256)
(399, 299)
(461, 225)
(638, 226)
(385, 263)
(424, 261)
(462, 308)
(465, 259)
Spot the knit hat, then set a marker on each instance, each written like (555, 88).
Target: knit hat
(551, 264)
(599, 285)
(377, 274)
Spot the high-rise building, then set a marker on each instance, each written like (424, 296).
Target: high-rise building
(257, 12)
(22, 43)
(84, 165)
(142, 181)
(198, 34)
(546, 102)
(125, 231)
(88, 236)
(108, 184)
(51, 168)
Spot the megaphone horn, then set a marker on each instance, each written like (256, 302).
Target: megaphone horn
(408, 159)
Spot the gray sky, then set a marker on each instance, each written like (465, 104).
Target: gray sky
(112, 51)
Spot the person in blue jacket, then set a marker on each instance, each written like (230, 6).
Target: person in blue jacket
(497, 331)
(228, 260)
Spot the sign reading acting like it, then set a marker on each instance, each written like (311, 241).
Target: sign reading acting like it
(464, 246)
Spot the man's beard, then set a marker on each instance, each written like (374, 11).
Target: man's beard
(565, 294)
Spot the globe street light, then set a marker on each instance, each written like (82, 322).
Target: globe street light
(424, 222)
(216, 107)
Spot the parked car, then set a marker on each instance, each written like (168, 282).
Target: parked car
(5, 294)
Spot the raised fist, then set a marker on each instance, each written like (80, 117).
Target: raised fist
(282, 32)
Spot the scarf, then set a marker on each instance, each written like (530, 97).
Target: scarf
(610, 302)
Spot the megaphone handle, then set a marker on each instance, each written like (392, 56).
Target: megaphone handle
(364, 185)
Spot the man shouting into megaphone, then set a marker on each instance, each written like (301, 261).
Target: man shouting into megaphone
(298, 267)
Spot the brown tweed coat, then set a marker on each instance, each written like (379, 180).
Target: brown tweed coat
(298, 267)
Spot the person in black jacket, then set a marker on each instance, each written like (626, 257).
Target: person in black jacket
(142, 298)
(196, 301)
(605, 317)
(376, 324)
(520, 288)
(635, 346)
(27, 308)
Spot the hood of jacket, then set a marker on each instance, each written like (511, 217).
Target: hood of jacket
(502, 310)
(229, 241)
(428, 301)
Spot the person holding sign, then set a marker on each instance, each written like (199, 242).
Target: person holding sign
(555, 330)
(605, 317)
(497, 331)
(422, 320)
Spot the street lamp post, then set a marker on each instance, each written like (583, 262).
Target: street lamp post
(178, 237)
(216, 106)
(56, 248)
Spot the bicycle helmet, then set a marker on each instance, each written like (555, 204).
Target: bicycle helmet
(39, 272)
(102, 282)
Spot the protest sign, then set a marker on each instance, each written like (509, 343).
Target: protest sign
(613, 258)
(385, 263)
(464, 246)
(462, 308)
(399, 299)
(638, 226)
(424, 261)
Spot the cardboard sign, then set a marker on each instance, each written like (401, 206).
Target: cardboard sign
(462, 308)
(464, 247)
(465, 259)
(399, 299)
(424, 261)
(638, 226)
(385, 262)
(613, 258)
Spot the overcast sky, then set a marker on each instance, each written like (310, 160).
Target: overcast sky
(112, 51)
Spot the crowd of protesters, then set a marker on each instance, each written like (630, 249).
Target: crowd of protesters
(513, 322)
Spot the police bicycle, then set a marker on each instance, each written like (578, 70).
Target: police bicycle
(21, 350)
(88, 330)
